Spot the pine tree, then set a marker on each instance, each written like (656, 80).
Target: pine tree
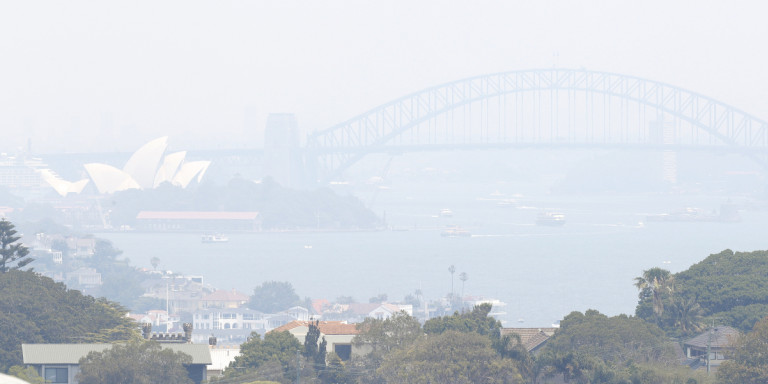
(10, 252)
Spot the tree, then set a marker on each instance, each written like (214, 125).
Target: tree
(383, 337)
(688, 315)
(273, 296)
(35, 309)
(155, 261)
(748, 364)
(386, 335)
(655, 282)
(463, 277)
(10, 252)
(476, 321)
(314, 352)
(450, 357)
(27, 374)
(380, 298)
(335, 371)
(139, 362)
(277, 350)
(452, 270)
(614, 340)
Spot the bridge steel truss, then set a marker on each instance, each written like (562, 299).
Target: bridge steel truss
(556, 107)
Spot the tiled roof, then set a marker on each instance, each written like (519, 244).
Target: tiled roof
(72, 353)
(326, 327)
(362, 308)
(225, 295)
(721, 337)
(531, 338)
(197, 215)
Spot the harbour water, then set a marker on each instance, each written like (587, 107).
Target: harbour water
(542, 273)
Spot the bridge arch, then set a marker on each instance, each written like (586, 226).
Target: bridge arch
(539, 107)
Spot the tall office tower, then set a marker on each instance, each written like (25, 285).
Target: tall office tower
(282, 154)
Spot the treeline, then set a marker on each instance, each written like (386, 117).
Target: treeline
(469, 348)
(278, 207)
(727, 288)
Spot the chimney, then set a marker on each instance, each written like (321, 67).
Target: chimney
(187, 332)
(146, 330)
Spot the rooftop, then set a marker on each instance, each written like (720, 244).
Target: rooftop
(326, 327)
(721, 337)
(196, 215)
(72, 353)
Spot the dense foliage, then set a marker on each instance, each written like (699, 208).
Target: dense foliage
(748, 363)
(449, 357)
(121, 282)
(594, 348)
(278, 207)
(138, 362)
(35, 309)
(273, 296)
(273, 358)
(729, 287)
(476, 321)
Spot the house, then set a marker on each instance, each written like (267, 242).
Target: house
(84, 277)
(717, 340)
(230, 326)
(298, 313)
(222, 298)
(532, 338)
(60, 363)
(221, 358)
(338, 336)
(386, 310)
(194, 220)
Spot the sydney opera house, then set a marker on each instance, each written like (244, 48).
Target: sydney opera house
(147, 168)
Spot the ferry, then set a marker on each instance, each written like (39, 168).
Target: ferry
(215, 238)
(455, 232)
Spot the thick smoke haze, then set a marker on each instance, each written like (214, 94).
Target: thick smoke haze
(95, 76)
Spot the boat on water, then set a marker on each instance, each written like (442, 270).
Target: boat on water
(445, 212)
(728, 213)
(214, 238)
(553, 219)
(455, 232)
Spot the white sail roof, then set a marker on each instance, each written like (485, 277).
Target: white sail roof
(170, 166)
(188, 172)
(143, 164)
(62, 186)
(109, 179)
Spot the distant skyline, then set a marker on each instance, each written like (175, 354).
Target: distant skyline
(93, 76)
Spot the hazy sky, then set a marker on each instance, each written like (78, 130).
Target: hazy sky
(106, 75)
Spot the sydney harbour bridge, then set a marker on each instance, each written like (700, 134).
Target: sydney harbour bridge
(540, 108)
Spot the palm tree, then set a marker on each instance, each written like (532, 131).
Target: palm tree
(688, 314)
(655, 282)
(452, 270)
(463, 277)
(154, 261)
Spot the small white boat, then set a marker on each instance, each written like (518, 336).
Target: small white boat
(445, 212)
(216, 238)
(551, 219)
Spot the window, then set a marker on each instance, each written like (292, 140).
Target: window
(56, 375)
(248, 316)
(344, 351)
